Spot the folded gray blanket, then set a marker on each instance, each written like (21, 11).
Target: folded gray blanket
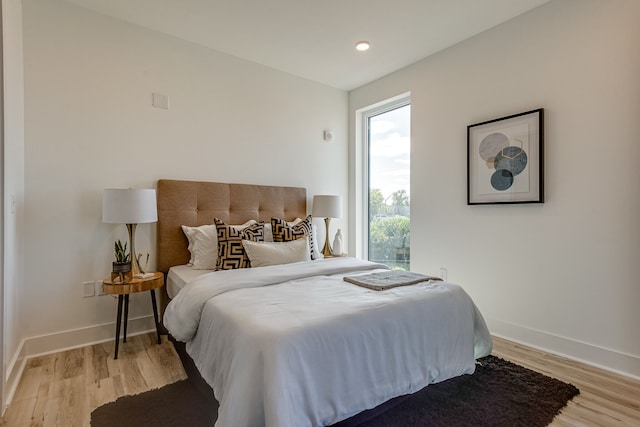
(388, 279)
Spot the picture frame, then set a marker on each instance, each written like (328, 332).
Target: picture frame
(505, 160)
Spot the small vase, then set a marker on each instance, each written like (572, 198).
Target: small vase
(121, 272)
(121, 267)
(337, 244)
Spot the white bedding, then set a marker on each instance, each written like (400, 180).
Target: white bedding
(179, 276)
(297, 346)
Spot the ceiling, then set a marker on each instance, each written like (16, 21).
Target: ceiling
(316, 39)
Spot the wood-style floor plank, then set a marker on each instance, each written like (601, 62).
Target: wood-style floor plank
(63, 388)
(605, 399)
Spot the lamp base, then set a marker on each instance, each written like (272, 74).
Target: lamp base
(326, 251)
(135, 265)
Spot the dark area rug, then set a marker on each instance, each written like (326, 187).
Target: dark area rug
(175, 405)
(499, 393)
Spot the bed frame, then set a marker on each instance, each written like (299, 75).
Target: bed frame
(195, 203)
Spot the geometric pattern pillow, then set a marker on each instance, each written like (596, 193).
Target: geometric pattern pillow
(231, 253)
(283, 232)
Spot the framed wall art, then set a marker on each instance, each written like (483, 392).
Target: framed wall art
(505, 160)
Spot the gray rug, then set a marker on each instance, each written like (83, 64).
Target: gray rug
(499, 393)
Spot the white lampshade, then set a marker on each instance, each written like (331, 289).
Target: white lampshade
(129, 206)
(326, 206)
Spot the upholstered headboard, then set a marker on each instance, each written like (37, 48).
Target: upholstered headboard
(196, 203)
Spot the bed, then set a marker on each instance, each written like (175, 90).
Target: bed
(295, 344)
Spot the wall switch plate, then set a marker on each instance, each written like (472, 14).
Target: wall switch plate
(443, 273)
(99, 287)
(88, 289)
(160, 100)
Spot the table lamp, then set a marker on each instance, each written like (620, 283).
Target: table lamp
(131, 207)
(327, 207)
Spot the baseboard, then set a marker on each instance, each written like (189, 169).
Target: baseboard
(13, 375)
(63, 341)
(67, 340)
(600, 357)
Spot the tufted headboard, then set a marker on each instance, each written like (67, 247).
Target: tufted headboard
(196, 203)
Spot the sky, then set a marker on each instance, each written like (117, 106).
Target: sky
(389, 150)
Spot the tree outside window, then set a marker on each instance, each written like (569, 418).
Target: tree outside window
(389, 229)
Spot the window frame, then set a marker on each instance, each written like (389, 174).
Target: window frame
(362, 147)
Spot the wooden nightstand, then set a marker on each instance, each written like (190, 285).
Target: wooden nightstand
(123, 290)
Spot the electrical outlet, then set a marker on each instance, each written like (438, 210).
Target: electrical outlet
(99, 287)
(88, 289)
(443, 273)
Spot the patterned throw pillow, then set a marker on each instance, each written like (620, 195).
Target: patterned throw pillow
(231, 253)
(283, 232)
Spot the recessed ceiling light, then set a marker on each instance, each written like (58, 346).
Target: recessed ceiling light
(362, 46)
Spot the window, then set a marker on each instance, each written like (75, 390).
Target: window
(387, 149)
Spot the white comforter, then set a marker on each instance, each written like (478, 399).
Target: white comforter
(297, 346)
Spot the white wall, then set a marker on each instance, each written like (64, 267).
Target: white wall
(562, 275)
(89, 125)
(13, 190)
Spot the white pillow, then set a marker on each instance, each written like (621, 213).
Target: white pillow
(262, 254)
(268, 232)
(203, 244)
(268, 235)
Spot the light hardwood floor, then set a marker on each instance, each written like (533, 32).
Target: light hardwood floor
(62, 389)
(605, 399)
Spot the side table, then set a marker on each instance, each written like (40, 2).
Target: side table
(123, 290)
